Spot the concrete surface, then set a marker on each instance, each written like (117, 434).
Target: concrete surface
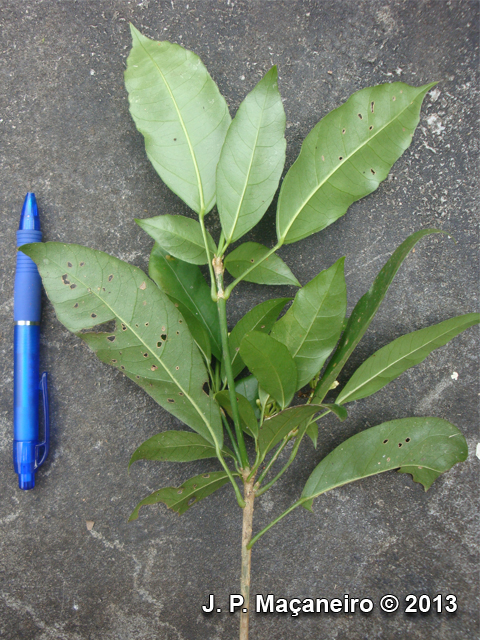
(65, 132)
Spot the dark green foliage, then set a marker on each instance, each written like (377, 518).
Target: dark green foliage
(171, 333)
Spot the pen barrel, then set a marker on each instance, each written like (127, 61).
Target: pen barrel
(28, 284)
(26, 391)
(26, 365)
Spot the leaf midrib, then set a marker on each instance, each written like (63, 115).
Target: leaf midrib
(353, 479)
(337, 167)
(406, 355)
(186, 394)
(237, 214)
(188, 495)
(177, 233)
(182, 123)
(302, 341)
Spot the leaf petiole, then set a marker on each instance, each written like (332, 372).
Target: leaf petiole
(230, 435)
(282, 515)
(222, 314)
(292, 457)
(283, 444)
(222, 244)
(213, 290)
(240, 500)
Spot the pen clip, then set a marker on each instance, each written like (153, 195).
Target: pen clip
(43, 388)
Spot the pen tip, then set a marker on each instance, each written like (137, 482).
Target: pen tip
(29, 218)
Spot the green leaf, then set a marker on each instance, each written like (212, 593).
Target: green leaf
(181, 237)
(175, 446)
(179, 110)
(248, 388)
(151, 342)
(252, 159)
(189, 493)
(272, 270)
(392, 360)
(364, 311)
(272, 365)
(335, 408)
(311, 327)
(424, 447)
(346, 156)
(186, 287)
(260, 318)
(247, 414)
(312, 433)
(274, 429)
(198, 331)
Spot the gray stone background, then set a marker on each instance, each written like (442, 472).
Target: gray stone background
(66, 133)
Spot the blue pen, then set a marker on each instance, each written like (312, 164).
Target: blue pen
(28, 452)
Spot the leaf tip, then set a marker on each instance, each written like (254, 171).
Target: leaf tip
(134, 31)
(274, 71)
(133, 515)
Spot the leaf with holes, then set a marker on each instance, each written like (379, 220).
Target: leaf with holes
(245, 409)
(346, 156)
(252, 159)
(364, 311)
(186, 287)
(272, 365)
(392, 360)
(260, 318)
(271, 270)
(311, 327)
(151, 342)
(175, 446)
(181, 237)
(424, 447)
(180, 112)
(181, 498)
(274, 429)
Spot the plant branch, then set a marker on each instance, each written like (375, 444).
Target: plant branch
(249, 496)
(222, 314)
